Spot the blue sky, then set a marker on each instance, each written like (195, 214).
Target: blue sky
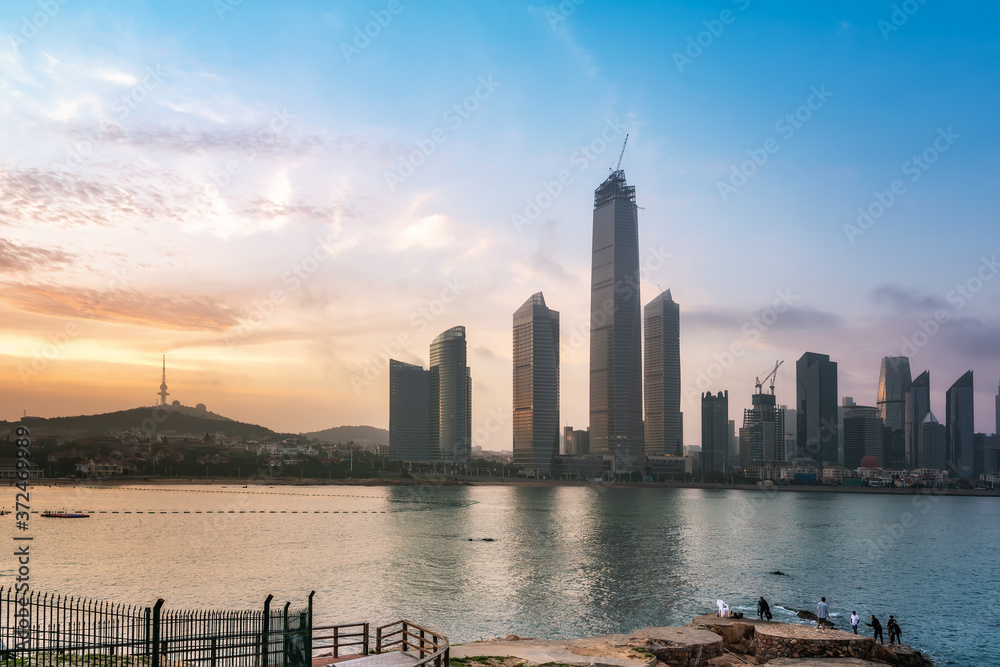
(211, 180)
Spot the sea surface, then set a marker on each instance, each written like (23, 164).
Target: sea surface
(476, 562)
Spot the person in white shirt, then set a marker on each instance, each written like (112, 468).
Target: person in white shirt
(855, 619)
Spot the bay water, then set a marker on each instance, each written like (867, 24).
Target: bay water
(477, 562)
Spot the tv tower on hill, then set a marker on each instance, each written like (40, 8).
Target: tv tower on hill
(163, 384)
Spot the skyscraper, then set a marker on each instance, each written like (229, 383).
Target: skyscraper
(864, 434)
(959, 426)
(715, 432)
(450, 405)
(918, 404)
(536, 385)
(893, 383)
(662, 377)
(996, 413)
(816, 406)
(762, 438)
(409, 401)
(932, 447)
(615, 327)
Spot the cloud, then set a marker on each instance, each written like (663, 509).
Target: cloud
(22, 259)
(130, 307)
(906, 300)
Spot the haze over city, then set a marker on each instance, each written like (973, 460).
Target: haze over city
(279, 198)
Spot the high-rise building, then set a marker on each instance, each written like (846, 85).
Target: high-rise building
(450, 431)
(864, 434)
(996, 413)
(762, 438)
(932, 447)
(918, 404)
(662, 377)
(715, 432)
(536, 385)
(409, 401)
(960, 424)
(615, 327)
(791, 431)
(893, 383)
(577, 442)
(816, 406)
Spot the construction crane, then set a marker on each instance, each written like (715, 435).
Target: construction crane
(620, 156)
(770, 376)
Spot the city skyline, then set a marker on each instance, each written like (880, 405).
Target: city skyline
(282, 220)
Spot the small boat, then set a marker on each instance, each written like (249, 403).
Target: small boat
(64, 515)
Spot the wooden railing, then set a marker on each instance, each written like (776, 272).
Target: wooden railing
(431, 647)
(344, 635)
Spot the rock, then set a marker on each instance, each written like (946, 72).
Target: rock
(515, 638)
(752, 660)
(779, 573)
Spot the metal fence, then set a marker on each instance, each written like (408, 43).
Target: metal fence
(43, 629)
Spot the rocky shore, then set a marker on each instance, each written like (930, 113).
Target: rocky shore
(707, 641)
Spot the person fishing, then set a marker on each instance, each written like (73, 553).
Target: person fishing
(763, 609)
(876, 629)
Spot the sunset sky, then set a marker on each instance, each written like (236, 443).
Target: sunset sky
(278, 196)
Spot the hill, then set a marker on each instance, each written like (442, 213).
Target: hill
(141, 421)
(362, 435)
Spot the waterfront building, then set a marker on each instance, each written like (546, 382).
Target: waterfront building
(893, 383)
(615, 327)
(762, 438)
(662, 377)
(996, 412)
(932, 443)
(816, 405)
(536, 385)
(918, 404)
(409, 403)
(715, 432)
(960, 425)
(450, 409)
(575, 442)
(863, 434)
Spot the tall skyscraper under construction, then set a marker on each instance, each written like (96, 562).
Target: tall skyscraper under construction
(615, 327)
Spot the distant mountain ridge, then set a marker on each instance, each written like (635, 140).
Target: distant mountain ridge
(362, 435)
(146, 420)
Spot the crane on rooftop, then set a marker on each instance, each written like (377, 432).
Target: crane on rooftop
(770, 376)
(620, 156)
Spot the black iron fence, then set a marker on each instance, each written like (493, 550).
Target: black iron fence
(43, 629)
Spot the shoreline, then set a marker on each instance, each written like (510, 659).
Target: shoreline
(467, 481)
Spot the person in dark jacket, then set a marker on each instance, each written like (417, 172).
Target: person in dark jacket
(763, 609)
(894, 632)
(876, 629)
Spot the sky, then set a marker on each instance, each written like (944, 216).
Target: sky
(281, 196)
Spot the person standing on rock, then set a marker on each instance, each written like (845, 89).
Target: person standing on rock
(876, 629)
(763, 609)
(855, 619)
(822, 614)
(894, 631)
